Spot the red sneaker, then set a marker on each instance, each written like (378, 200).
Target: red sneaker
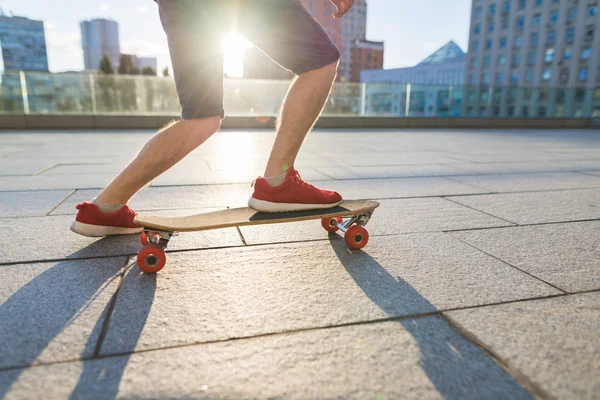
(90, 221)
(292, 195)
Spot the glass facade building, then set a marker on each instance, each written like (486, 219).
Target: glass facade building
(23, 44)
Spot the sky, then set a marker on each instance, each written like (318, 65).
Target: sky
(411, 29)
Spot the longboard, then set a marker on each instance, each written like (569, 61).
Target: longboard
(159, 230)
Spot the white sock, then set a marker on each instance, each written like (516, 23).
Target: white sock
(106, 207)
(276, 180)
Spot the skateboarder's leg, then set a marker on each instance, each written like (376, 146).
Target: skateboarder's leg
(165, 149)
(301, 108)
(194, 35)
(298, 43)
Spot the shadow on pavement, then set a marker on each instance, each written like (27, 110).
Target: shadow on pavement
(45, 306)
(457, 368)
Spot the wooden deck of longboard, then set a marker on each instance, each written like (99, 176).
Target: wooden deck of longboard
(247, 216)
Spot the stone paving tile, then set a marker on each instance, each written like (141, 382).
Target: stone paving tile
(503, 157)
(592, 172)
(56, 182)
(49, 238)
(54, 311)
(171, 197)
(531, 182)
(565, 255)
(392, 217)
(513, 167)
(554, 342)
(85, 169)
(400, 187)
(412, 158)
(30, 203)
(394, 171)
(538, 207)
(12, 167)
(424, 358)
(187, 177)
(218, 294)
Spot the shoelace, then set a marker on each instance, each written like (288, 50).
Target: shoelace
(297, 178)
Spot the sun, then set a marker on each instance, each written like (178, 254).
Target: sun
(234, 46)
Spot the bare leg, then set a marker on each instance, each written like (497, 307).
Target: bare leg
(164, 150)
(301, 108)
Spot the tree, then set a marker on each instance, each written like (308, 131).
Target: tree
(166, 71)
(106, 66)
(126, 65)
(148, 70)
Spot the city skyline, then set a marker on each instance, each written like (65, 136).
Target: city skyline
(400, 25)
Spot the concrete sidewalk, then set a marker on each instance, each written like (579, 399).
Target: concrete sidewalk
(481, 278)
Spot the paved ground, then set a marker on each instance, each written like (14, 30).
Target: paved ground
(481, 278)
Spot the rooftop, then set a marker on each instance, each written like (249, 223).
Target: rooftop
(448, 52)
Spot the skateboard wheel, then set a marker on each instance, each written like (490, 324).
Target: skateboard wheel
(356, 237)
(329, 223)
(144, 239)
(151, 258)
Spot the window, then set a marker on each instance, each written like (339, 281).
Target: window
(583, 73)
(520, 22)
(488, 44)
(551, 39)
(518, 41)
(549, 55)
(514, 77)
(501, 59)
(516, 59)
(477, 29)
(568, 53)
(572, 14)
(554, 16)
(538, 2)
(533, 40)
(570, 35)
(491, 28)
(564, 75)
(504, 23)
(492, 9)
(522, 4)
(487, 61)
(531, 58)
(473, 80)
(473, 63)
(486, 78)
(537, 19)
(499, 78)
(478, 12)
(506, 7)
(593, 10)
(503, 42)
(586, 53)
(475, 45)
(547, 74)
(589, 33)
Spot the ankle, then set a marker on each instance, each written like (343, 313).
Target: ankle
(106, 207)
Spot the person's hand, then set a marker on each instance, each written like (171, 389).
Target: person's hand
(342, 7)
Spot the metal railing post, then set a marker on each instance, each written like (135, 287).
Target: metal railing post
(363, 99)
(93, 94)
(407, 106)
(24, 94)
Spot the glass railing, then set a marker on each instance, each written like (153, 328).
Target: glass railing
(84, 93)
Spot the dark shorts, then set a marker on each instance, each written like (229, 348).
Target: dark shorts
(282, 29)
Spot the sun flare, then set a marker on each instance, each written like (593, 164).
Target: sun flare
(234, 46)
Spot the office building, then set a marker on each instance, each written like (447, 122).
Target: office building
(23, 44)
(445, 66)
(366, 55)
(99, 37)
(143, 62)
(431, 88)
(544, 53)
